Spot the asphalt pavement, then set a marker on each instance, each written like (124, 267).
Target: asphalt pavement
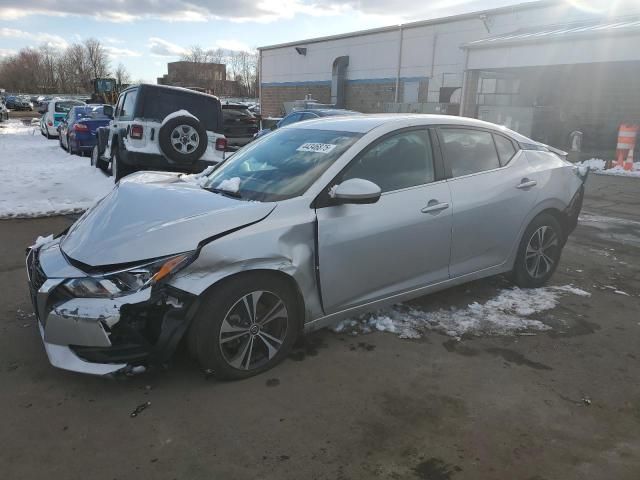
(561, 404)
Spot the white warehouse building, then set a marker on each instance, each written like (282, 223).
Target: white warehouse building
(543, 68)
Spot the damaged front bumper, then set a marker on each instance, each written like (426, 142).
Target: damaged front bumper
(101, 336)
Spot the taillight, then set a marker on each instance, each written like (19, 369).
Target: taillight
(80, 127)
(136, 132)
(221, 144)
(50, 123)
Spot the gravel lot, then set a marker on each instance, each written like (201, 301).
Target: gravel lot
(560, 404)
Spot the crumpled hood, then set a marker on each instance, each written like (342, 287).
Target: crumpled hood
(153, 214)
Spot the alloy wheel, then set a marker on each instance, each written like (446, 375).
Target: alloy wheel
(541, 252)
(253, 330)
(185, 139)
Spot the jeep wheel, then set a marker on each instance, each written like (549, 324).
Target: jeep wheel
(183, 139)
(118, 168)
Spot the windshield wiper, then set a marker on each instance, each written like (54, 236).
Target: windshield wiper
(225, 192)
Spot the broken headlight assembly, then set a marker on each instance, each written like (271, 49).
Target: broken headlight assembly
(126, 282)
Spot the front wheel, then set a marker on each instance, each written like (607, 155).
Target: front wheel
(539, 252)
(245, 326)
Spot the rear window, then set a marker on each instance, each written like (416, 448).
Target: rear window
(158, 103)
(95, 112)
(236, 113)
(64, 107)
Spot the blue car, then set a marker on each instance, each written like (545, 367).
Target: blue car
(301, 115)
(77, 131)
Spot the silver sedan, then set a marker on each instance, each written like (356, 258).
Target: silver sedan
(314, 223)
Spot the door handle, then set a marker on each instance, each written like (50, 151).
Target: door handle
(434, 206)
(526, 183)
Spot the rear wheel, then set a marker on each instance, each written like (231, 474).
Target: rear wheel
(118, 168)
(245, 326)
(539, 252)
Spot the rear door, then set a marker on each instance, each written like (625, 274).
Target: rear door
(492, 191)
(402, 242)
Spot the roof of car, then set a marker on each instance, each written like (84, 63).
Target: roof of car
(366, 123)
(170, 87)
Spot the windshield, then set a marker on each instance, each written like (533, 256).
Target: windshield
(281, 165)
(91, 111)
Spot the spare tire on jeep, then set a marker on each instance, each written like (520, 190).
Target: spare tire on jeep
(183, 139)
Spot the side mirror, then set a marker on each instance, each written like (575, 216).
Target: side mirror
(108, 111)
(356, 190)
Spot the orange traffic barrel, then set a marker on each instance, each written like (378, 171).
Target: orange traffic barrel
(628, 164)
(627, 135)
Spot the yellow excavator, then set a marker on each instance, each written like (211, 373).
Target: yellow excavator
(105, 90)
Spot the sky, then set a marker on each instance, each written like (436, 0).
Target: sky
(146, 34)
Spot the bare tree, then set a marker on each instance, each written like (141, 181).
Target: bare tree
(122, 75)
(97, 58)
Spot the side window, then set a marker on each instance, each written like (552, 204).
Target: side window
(128, 105)
(399, 161)
(291, 118)
(505, 148)
(119, 106)
(468, 151)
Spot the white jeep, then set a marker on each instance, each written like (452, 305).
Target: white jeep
(156, 127)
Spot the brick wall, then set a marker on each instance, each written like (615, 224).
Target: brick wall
(274, 96)
(359, 96)
(369, 97)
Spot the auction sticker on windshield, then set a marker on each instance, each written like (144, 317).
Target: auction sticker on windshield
(316, 147)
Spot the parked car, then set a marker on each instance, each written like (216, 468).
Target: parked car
(54, 112)
(301, 115)
(316, 222)
(77, 131)
(19, 102)
(4, 113)
(240, 125)
(162, 128)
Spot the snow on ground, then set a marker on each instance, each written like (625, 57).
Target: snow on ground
(505, 314)
(38, 178)
(596, 165)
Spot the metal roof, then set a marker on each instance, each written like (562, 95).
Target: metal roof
(567, 31)
(421, 23)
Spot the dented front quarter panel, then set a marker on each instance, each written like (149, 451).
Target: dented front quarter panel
(285, 243)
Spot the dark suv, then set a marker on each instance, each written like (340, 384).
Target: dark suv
(240, 125)
(158, 127)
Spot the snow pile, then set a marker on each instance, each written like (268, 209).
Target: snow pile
(597, 165)
(230, 185)
(199, 179)
(179, 113)
(42, 240)
(594, 164)
(38, 178)
(505, 314)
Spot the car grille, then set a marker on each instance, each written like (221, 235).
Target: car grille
(37, 278)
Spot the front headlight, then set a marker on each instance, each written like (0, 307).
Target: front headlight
(128, 281)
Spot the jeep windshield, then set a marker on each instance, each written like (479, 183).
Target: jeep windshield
(282, 165)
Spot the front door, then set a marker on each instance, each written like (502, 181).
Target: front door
(401, 242)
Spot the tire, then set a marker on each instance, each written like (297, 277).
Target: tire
(118, 168)
(532, 269)
(246, 348)
(95, 158)
(69, 149)
(189, 137)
